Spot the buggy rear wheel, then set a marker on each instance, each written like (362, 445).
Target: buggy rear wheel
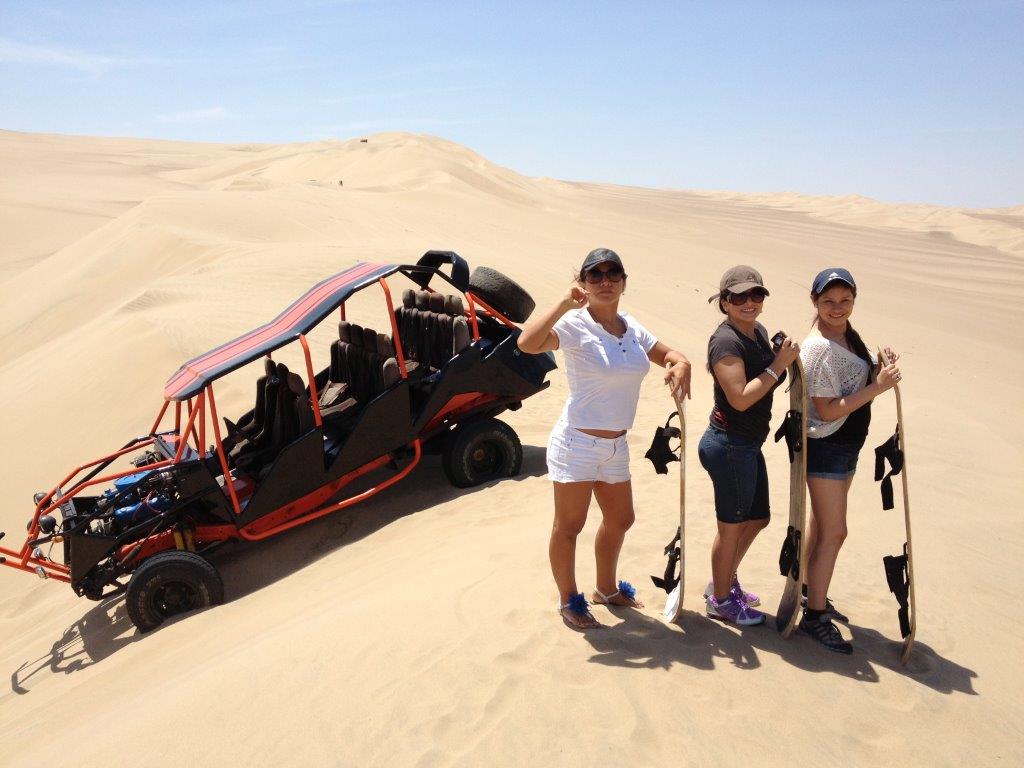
(502, 293)
(169, 584)
(481, 451)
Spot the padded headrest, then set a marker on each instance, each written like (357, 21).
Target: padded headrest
(370, 339)
(460, 334)
(408, 298)
(295, 384)
(384, 345)
(391, 372)
(355, 333)
(453, 306)
(345, 330)
(422, 300)
(269, 367)
(282, 371)
(436, 303)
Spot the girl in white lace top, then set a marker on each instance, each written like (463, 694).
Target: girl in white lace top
(839, 370)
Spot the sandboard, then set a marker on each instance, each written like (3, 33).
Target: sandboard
(675, 550)
(899, 569)
(793, 557)
(674, 603)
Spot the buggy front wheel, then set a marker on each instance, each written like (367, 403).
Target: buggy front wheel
(481, 451)
(169, 584)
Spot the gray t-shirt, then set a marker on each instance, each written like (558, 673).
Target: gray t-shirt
(726, 341)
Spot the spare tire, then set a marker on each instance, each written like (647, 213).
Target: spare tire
(502, 293)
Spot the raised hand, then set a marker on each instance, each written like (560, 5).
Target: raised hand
(575, 298)
(788, 351)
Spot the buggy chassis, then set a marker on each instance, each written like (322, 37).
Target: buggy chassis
(182, 499)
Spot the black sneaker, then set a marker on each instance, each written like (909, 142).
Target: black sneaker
(826, 633)
(830, 609)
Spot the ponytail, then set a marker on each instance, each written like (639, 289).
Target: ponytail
(857, 344)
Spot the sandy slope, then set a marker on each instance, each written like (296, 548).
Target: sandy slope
(418, 629)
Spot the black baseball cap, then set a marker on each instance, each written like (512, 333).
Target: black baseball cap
(739, 279)
(829, 275)
(600, 256)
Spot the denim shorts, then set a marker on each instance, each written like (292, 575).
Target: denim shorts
(738, 474)
(831, 461)
(575, 457)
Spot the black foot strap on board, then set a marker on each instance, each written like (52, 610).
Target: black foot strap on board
(889, 451)
(789, 563)
(669, 581)
(897, 574)
(791, 430)
(660, 453)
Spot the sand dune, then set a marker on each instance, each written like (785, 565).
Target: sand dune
(418, 628)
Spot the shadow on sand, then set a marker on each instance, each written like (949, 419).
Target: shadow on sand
(644, 642)
(640, 641)
(247, 567)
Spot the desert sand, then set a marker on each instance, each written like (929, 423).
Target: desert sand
(418, 629)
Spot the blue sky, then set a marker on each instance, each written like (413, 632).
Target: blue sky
(900, 101)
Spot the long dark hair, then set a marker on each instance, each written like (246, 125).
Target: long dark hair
(853, 338)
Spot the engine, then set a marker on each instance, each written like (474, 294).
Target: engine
(134, 499)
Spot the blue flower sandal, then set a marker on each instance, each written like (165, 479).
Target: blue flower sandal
(626, 591)
(575, 612)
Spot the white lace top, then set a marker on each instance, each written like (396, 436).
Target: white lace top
(831, 371)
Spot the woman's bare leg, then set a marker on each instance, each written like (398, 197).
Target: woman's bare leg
(828, 506)
(724, 556)
(616, 503)
(572, 500)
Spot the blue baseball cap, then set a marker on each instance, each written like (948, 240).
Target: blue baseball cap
(829, 275)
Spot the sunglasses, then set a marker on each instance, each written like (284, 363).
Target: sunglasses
(739, 299)
(596, 276)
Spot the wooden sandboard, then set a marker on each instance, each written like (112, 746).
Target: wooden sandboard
(908, 640)
(786, 616)
(674, 603)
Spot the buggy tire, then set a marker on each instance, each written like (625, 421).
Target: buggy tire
(171, 583)
(481, 451)
(502, 293)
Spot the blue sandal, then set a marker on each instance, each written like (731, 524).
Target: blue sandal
(579, 609)
(625, 589)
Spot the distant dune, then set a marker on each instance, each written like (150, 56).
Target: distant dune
(419, 628)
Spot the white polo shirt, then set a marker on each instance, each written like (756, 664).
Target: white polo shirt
(604, 370)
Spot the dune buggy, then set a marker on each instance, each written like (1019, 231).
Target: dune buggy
(449, 366)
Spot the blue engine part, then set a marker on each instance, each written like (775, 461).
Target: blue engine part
(125, 483)
(141, 511)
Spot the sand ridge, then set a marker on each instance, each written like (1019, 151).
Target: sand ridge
(418, 629)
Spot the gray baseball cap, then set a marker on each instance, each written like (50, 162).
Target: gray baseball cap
(739, 279)
(600, 256)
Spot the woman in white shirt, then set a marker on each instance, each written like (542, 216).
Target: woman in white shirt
(838, 368)
(607, 355)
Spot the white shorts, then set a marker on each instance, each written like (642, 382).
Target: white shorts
(575, 457)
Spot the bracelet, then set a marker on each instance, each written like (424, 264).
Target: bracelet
(772, 373)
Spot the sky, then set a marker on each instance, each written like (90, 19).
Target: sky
(900, 101)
